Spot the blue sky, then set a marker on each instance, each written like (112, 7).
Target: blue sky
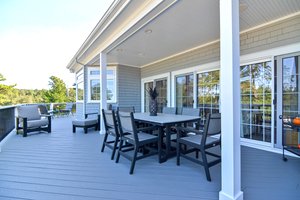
(39, 37)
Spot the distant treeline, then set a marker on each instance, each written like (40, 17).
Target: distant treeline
(58, 93)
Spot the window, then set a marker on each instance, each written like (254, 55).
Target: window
(208, 87)
(184, 91)
(80, 86)
(256, 101)
(94, 84)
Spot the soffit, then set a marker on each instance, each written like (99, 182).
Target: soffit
(191, 23)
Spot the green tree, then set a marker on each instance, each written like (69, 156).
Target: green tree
(72, 95)
(5, 92)
(57, 92)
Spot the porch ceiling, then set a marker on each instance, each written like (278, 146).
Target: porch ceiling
(190, 24)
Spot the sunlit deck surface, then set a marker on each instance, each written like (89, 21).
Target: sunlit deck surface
(63, 165)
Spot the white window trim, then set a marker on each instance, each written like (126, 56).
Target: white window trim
(79, 73)
(152, 79)
(95, 77)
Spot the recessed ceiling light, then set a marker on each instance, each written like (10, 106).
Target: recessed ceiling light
(141, 54)
(148, 31)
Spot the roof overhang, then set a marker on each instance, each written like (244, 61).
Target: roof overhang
(138, 33)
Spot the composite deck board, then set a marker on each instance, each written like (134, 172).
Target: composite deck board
(63, 165)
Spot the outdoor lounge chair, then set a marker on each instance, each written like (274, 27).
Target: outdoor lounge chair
(201, 141)
(29, 119)
(133, 140)
(111, 130)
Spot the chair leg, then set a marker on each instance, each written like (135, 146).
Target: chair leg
(115, 148)
(133, 160)
(178, 153)
(85, 130)
(120, 149)
(205, 165)
(104, 142)
(25, 127)
(74, 129)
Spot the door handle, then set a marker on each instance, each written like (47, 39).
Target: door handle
(280, 116)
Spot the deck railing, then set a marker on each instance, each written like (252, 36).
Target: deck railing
(7, 120)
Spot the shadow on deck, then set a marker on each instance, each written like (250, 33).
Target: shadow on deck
(63, 165)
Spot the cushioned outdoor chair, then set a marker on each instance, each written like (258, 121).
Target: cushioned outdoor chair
(201, 141)
(192, 112)
(87, 122)
(133, 140)
(29, 119)
(111, 131)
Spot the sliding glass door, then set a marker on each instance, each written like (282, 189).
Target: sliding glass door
(162, 89)
(288, 98)
(256, 101)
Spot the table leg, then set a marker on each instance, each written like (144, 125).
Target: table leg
(168, 141)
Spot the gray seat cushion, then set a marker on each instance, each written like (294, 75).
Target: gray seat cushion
(196, 139)
(84, 122)
(36, 123)
(142, 136)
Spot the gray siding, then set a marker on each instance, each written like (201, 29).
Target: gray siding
(274, 35)
(278, 34)
(129, 87)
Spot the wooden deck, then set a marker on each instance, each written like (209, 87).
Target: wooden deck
(63, 165)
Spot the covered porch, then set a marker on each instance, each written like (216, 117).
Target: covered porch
(63, 165)
(177, 43)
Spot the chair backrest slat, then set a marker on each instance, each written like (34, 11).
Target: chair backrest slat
(127, 124)
(126, 109)
(212, 126)
(169, 110)
(191, 111)
(110, 120)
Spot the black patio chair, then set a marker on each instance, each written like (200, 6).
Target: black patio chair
(111, 130)
(192, 112)
(133, 140)
(169, 110)
(201, 141)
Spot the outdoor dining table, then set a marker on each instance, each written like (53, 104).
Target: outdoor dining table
(164, 123)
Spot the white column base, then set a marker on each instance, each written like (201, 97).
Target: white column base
(224, 196)
(102, 132)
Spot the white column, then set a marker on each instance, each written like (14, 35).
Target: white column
(85, 90)
(103, 86)
(230, 101)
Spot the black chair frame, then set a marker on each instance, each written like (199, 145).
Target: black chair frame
(110, 130)
(199, 142)
(129, 141)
